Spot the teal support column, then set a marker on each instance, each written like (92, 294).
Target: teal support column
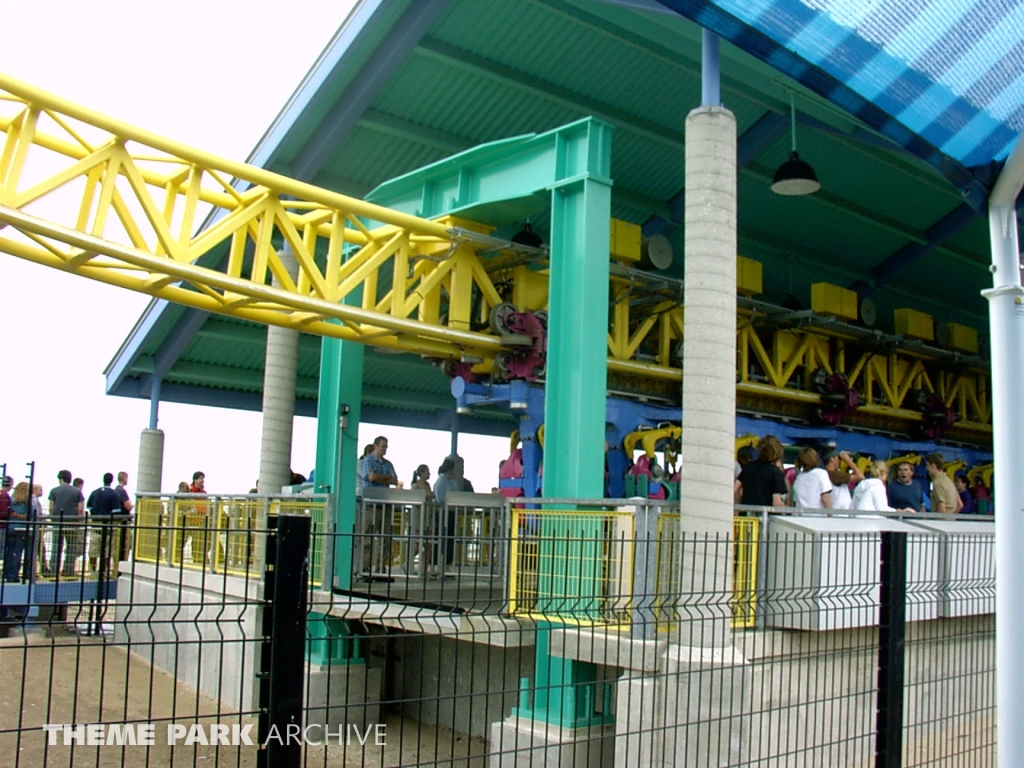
(572, 164)
(577, 365)
(569, 568)
(337, 448)
(331, 642)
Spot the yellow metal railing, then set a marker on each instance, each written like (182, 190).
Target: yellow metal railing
(572, 566)
(582, 567)
(668, 553)
(220, 534)
(746, 536)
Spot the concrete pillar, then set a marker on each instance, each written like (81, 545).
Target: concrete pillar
(709, 351)
(279, 399)
(151, 461)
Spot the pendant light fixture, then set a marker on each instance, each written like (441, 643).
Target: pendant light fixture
(795, 176)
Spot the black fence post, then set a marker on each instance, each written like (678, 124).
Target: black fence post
(892, 634)
(283, 654)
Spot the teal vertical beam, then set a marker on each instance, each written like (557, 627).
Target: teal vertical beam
(570, 564)
(577, 364)
(337, 447)
(573, 164)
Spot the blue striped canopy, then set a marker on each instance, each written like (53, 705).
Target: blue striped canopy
(943, 78)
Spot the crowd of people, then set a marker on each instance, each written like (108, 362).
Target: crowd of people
(57, 545)
(376, 471)
(835, 481)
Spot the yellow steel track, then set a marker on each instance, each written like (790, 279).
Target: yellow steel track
(135, 199)
(86, 194)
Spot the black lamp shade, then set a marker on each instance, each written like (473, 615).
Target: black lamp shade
(795, 177)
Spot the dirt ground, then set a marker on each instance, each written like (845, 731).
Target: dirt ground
(61, 677)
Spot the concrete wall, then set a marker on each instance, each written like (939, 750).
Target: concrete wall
(457, 683)
(807, 699)
(199, 627)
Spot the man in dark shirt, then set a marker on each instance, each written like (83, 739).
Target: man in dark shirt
(66, 511)
(761, 483)
(103, 503)
(127, 505)
(904, 491)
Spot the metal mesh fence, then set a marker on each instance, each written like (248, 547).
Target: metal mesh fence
(486, 633)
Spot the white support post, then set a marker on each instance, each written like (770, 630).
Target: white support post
(1006, 326)
(282, 357)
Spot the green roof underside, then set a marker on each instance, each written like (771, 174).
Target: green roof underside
(491, 69)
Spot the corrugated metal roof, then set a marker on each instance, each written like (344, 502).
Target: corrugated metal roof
(946, 72)
(892, 171)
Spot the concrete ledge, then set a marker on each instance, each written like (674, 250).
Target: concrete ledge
(689, 657)
(522, 743)
(485, 629)
(611, 649)
(250, 588)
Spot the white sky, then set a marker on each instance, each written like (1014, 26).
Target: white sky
(209, 74)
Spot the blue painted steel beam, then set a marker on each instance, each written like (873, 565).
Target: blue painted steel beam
(710, 72)
(935, 235)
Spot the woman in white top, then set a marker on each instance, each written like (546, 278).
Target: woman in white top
(870, 493)
(812, 488)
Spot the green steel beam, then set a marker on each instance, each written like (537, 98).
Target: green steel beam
(569, 171)
(341, 384)
(577, 368)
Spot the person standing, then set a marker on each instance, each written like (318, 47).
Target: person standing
(377, 472)
(904, 491)
(38, 553)
(67, 508)
(367, 450)
(945, 499)
(127, 505)
(966, 500)
(18, 536)
(421, 481)
(870, 493)
(120, 547)
(447, 479)
(841, 479)
(812, 488)
(195, 523)
(103, 504)
(5, 511)
(761, 483)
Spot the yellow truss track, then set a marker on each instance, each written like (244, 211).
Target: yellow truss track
(135, 200)
(87, 194)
